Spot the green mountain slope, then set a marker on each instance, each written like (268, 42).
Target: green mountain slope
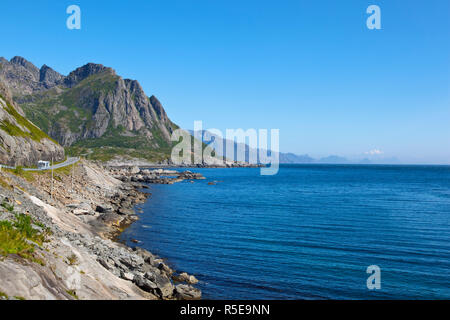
(92, 111)
(21, 141)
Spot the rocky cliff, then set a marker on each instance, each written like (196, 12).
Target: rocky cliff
(21, 142)
(91, 108)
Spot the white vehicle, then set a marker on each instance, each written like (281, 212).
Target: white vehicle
(43, 164)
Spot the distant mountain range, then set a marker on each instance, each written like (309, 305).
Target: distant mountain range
(291, 158)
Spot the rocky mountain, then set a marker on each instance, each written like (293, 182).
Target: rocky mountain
(21, 142)
(92, 110)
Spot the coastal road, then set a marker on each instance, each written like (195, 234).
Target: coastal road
(69, 161)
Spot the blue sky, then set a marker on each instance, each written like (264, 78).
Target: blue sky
(310, 68)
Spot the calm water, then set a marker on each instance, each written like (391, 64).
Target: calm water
(309, 232)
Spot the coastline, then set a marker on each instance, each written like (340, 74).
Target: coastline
(122, 163)
(81, 256)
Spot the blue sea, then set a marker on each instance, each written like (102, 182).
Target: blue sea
(309, 232)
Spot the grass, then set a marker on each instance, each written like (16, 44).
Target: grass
(64, 170)
(24, 223)
(18, 237)
(72, 259)
(5, 184)
(13, 241)
(18, 171)
(73, 294)
(38, 261)
(30, 175)
(33, 133)
(8, 207)
(3, 295)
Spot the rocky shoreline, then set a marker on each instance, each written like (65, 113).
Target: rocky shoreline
(159, 176)
(84, 215)
(125, 163)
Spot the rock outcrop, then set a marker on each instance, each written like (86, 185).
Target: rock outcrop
(157, 176)
(21, 142)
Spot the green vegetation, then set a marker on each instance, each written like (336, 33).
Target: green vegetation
(3, 295)
(115, 142)
(72, 259)
(12, 241)
(71, 109)
(46, 111)
(18, 171)
(24, 223)
(4, 184)
(32, 132)
(19, 237)
(7, 206)
(108, 153)
(19, 298)
(64, 170)
(72, 293)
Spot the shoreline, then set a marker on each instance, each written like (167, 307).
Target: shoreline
(145, 164)
(85, 225)
(137, 179)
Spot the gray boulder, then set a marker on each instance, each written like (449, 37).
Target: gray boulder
(187, 292)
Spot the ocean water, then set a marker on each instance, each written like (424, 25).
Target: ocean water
(309, 232)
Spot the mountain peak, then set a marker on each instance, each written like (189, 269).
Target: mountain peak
(92, 107)
(20, 60)
(84, 72)
(24, 63)
(49, 77)
(158, 108)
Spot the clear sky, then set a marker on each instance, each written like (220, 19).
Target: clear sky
(310, 68)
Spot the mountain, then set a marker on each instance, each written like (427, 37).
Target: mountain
(294, 158)
(92, 110)
(284, 158)
(290, 158)
(334, 160)
(21, 142)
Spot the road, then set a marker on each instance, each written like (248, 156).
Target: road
(69, 161)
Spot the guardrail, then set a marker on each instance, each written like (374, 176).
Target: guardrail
(68, 162)
(6, 167)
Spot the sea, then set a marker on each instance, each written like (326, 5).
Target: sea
(309, 232)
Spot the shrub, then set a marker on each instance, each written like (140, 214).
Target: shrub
(17, 237)
(7, 206)
(72, 293)
(72, 259)
(12, 241)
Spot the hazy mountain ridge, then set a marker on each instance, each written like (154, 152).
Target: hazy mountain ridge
(291, 158)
